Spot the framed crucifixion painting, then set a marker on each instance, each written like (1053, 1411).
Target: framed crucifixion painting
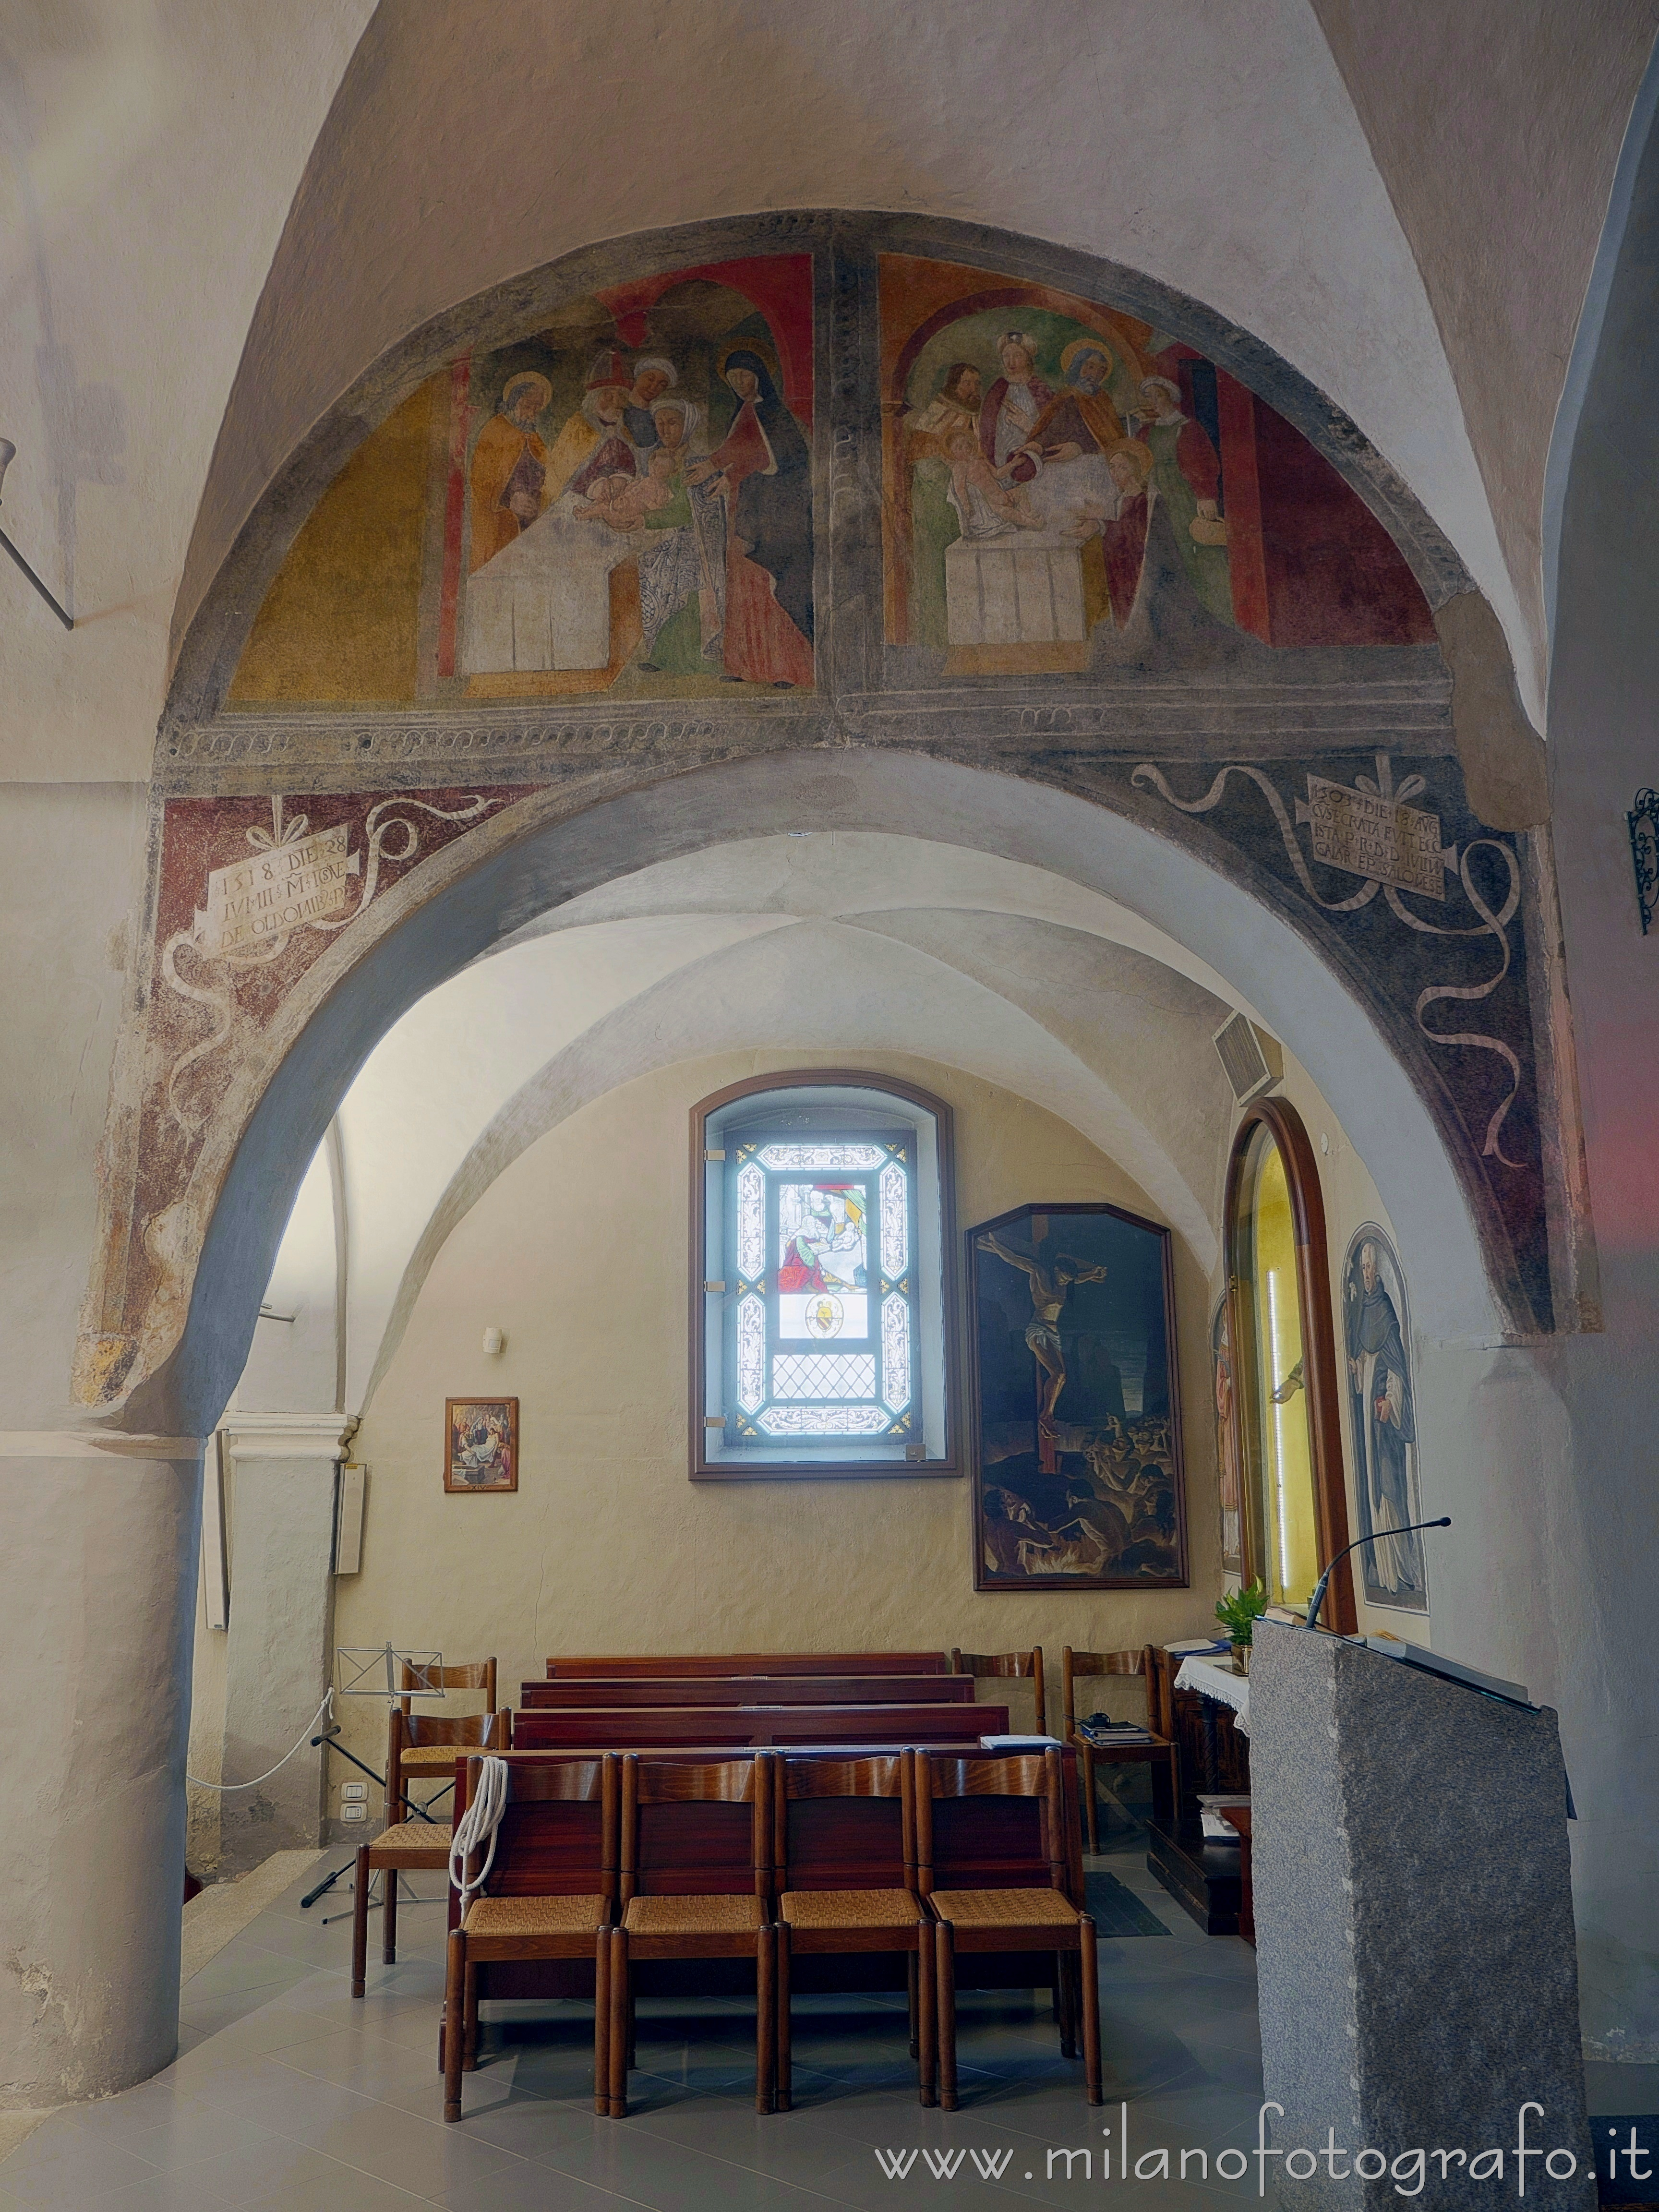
(1075, 1415)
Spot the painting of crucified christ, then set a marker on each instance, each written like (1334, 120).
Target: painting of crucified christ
(1076, 1420)
(1050, 1286)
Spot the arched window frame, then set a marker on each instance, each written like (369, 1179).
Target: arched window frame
(781, 1466)
(1313, 1277)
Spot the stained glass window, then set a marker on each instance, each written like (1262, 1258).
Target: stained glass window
(821, 1229)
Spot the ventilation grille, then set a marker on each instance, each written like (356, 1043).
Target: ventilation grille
(1241, 1054)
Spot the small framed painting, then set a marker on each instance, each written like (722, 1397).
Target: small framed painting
(481, 1445)
(1078, 1475)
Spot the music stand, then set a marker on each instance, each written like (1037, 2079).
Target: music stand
(377, 1670)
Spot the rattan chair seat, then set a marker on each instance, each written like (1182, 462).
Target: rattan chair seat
(1004, 1908)
(691, 1915)
(534, 1916)
(431, 1758)
(409, 1842)
(849, 1908)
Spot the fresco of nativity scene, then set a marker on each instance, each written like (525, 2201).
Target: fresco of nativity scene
(1075, 1431)
(1068, 489)
(623, 499)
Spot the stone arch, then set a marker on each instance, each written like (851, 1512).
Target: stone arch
(1265, 783)
(551, 859)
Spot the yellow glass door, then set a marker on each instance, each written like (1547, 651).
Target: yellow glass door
(1280, 1511)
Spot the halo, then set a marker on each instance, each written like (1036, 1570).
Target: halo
(1087, 345)
(517, 383)
(1139, 450)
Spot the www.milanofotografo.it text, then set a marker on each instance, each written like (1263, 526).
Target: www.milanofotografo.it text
(1508, 2165)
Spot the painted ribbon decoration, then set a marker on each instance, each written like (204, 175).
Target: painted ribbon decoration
(1147, 773)
(1496, 924)
(1499, 924)
(219, 994)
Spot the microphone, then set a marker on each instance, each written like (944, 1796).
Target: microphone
(1318, 1597)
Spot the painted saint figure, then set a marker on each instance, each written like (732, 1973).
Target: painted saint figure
(652, 377)
(682, 562)
(544, 600)
(933, 525)
(1080, 419)
(1226, 1424)
(1050, 1288)
(763, 469)
(1187, 476)
(508, 478)
(1384, 1426)
(1012, 406)
(595, 442)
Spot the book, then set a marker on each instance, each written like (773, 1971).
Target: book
(1450, 1670)
(1019, 1742)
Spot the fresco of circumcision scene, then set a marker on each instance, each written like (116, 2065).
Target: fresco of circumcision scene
(621, 502)
(1067, 487)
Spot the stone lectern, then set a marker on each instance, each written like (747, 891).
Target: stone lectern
(1413, 1913)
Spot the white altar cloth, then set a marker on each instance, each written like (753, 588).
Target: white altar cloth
(1213, 1681)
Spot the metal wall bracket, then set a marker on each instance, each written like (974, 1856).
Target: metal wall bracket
(1643, 821)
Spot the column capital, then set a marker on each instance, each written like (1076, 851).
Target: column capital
(289, 1435)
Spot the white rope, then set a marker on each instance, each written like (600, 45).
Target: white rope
(327, 1706)
(477, 1827)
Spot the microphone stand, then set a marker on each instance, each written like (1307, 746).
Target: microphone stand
(1323, 1584)
(329, 1879)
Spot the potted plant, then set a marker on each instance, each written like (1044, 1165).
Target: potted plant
(1238, 1613)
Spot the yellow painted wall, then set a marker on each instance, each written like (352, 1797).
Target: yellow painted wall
(579, 1252)
(340, 621)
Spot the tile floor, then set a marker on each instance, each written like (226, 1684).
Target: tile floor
(286, 2095)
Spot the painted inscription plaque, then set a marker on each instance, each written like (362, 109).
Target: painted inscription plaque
(258, 901)
(1374, 837)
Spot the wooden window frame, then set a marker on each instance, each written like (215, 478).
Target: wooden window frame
(1312, 1281)
(702, 1469)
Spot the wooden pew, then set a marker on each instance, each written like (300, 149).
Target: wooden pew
(621, 1667)
(988, 1843)
(747, 1690)
(759, 1727)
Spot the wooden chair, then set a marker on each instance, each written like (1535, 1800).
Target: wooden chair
(833, 1818)
(1160, 1754)
(416, 1843)
(685, 1894)
(1014, 1919)
(1012, 1666)
(473, 1674)
(573, 1808)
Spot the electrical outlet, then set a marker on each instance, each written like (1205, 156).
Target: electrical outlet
(358, 1811)
(353, 1793)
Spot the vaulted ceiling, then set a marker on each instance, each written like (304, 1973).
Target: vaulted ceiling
(826, 947)
(217, 214)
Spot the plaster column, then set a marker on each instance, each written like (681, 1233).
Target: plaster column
(97, 1582)
(279, 1657)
